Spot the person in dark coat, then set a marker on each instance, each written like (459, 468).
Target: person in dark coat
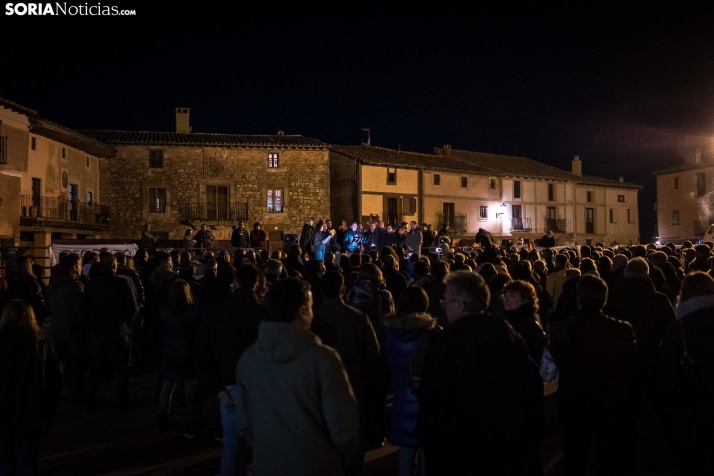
(109, 307)
(396, 282)
(407, 336)
(372, 239)
(240, 238)
(520, 309)
(686, 378)
(204, 238)
(30, 385)
(350, 333)
(179, 321)
(320, 239)
(148, 240)
(70, 329)
(369, 295)
(257, 236)
(635, 300)
(480, 394)
(306, 236)
(548, 240)
(23, 284)
(225, 333)
(595, 355)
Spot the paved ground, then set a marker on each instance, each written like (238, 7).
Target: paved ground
(113, 442)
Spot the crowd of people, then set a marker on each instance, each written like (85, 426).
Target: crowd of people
(304, 347)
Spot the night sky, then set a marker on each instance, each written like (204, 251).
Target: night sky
(630, 91)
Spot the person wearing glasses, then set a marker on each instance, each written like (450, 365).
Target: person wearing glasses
(480, 394)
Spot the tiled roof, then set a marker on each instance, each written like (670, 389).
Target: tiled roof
(512, 166)
(592, 180)
(684, 167)
(380, 156)
(51, 130)
(204, 139)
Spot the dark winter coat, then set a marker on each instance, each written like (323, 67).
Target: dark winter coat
(257, 237)
(178, 339)
(526, 321)
(481, 399)
(108, 305)
(389, 239)
(30, 291)
(396, 282)
(306, 237)
(64, 304)
(690, 396)
(405, 343)
(635, 300)
(204, 239)
(595, 355)
(27, 399)
(373, 240)
(229, 328)
(350, 333)
(240, 238)
(374, 300)
(317, 246)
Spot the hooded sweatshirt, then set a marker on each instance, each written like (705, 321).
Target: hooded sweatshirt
(294, 402)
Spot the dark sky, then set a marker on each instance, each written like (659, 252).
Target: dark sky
(630, 91)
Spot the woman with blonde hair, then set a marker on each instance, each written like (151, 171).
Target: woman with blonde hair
(520, 309)
(178, 334)
(30, 385)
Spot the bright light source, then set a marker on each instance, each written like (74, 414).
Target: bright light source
(502, 210)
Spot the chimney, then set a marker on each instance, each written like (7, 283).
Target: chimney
(447, 150)
(621, 178)
(698, 156)
(577, 166)
(281, 133)
(182, 123)
(438, 151)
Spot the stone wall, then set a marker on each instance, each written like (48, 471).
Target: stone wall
(303, 175)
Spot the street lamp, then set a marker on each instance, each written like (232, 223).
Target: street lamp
(502, 211)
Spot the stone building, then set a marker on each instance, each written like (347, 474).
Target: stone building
(49, 180)
(512, 197)
(183, 179)
(685, 199)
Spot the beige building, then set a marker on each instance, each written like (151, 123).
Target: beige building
(182, 179)
(685, 200)
(512, 197)
(49, 180)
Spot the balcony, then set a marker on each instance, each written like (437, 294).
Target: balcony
(521, 224)
(212, 213)
(457, 223)
(63, 213)
(555, 225)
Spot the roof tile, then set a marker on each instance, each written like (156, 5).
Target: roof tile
(204, 139)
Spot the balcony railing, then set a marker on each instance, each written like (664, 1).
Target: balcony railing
(3, 149)
(213, 211)
(457, 223)
(62, 212)
(555, 225)
(521, 224)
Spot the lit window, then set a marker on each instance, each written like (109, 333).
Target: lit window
(157, 200)
(483, 212)
(275, 200)
(90, 198)
(273, 161)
